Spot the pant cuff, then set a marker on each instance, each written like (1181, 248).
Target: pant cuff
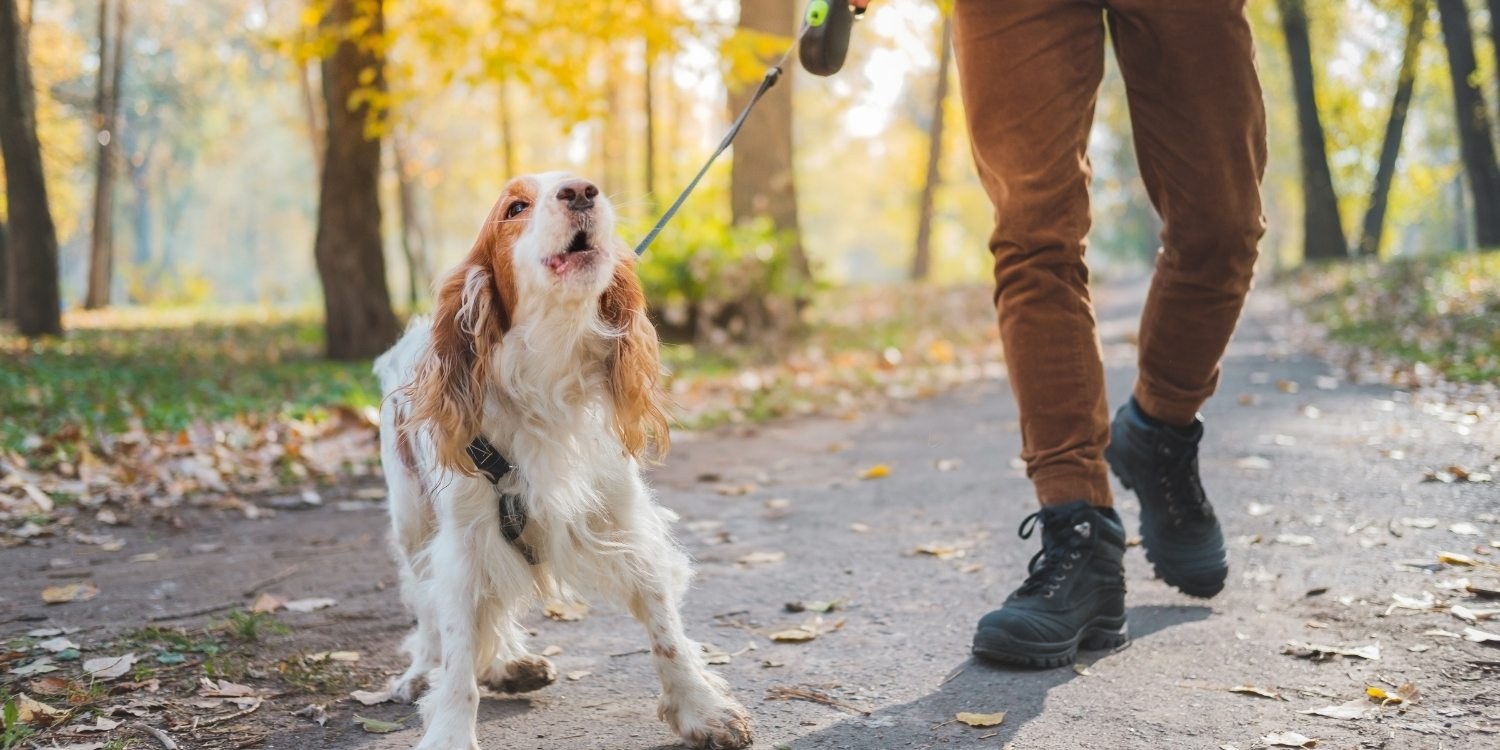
(1169, 411)
(1062, 488)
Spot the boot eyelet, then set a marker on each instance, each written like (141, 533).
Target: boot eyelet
(1074, 555)
(1067, 566)
(1047, 595)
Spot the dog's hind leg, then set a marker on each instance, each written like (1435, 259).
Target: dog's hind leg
(514, 670)
(695, 702)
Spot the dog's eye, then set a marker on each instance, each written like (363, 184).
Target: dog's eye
(516, 208)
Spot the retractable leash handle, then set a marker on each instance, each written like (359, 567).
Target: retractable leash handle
(826, 43)
(821, 44)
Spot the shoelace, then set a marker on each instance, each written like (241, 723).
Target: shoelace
(1063, 543)
(1181, 486)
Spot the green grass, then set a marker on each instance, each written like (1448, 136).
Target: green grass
(1442, 311)
(159, 372)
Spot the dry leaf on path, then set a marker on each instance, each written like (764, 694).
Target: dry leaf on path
(1479, 636)
(32, 712)
(878, 471)
(54, 645)
(552, 650)
(1405, 694)
(40, 666)
(1358, 708)
(980, 720)
(223, 689)
(566, 611)
(578, 675)
(1318, 652)
(1288, 739)
(1252, 690)
(762, 558)
(267, 603)
(1295, 540)
(1254, 463)
(371, 697)
(101, 724)
(940, 550)
(72, 592)
(109, 667)
(304, 606)
(376, 726)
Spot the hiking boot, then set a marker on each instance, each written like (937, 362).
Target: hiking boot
(1073, 598)
(1178, 527)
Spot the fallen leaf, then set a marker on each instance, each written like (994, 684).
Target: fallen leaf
(795, 635)
(858, 528)
(949, 464)
(980, 720)
(1256, 463)
(266, 603)
(1480, 636)
(1405, 694)
(1353, 710)
(224, 689)
(1464, 529)
(318, 712)
(371, 697)
(1318, 652)
(1259, 509)
(1473, 616)
(552, 650)
(1262, 692)
(1295, 540)
(778, 503)
(40, 666)
(1418, 648)
(1082, 670)
(303, 606)
(1288, 739)
(569, 611)
(101, 724)
(736, 490)
(1419, 523)
(762, 558)
(109, 667)
(72, 592)
(578, 675)
(939, 550)
(1419, 603)
(343, 656)
(376, 726)
(1286, 386)
(878, 471)
(54, 645)
(32, 712)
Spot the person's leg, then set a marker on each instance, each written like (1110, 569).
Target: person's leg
(1030, 71)
(1200, 133)
(1195, 106)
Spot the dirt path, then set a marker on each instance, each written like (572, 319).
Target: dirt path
(1320, 489)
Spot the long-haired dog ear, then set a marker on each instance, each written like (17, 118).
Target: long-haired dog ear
(634, 368)
(447, 394)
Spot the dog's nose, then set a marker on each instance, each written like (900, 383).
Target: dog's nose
(578, 194)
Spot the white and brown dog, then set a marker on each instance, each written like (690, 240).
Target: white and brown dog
(540, 345)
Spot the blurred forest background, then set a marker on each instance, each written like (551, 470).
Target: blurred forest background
(219, 193)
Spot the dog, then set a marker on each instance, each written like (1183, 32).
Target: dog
(539, 344)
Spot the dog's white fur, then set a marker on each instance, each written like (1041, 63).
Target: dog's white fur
(546, 406)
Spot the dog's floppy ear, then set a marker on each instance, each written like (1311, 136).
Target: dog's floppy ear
(634, 367)
(468, 324)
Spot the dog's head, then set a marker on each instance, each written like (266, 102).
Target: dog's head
(548, 244)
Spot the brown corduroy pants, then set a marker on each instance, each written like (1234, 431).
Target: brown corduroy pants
(1030, 73)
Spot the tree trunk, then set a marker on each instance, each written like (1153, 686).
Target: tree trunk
(1495, 44)
(358, 320)
(763, 182)
(4, 308)
(312, 114)
(1322, 228)
(413, 237)
(32, 272)
(1406, 76)
(106, 128)
(1473, 119)
(921, 262)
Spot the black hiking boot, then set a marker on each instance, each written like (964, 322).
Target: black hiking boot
(1073, 598)
(1178, 527)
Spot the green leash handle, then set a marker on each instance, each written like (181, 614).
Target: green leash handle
(826, 43)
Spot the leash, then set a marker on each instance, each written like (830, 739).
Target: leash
(823, 42)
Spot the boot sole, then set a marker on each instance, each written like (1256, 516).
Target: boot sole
(1202, 586)
(1100, 634)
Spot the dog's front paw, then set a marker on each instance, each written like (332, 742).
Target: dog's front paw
(523, 675)
(716, 724)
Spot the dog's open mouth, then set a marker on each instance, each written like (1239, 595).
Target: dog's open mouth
(580, 242)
